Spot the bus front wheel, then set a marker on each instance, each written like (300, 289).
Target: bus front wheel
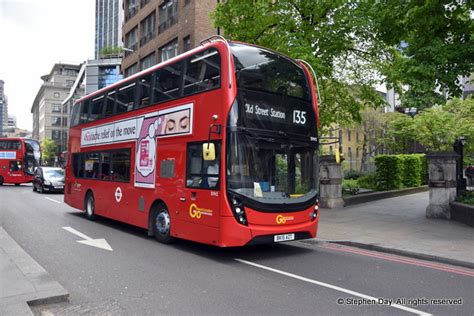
(89, 205)
(162, 224)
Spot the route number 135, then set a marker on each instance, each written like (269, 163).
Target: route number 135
(299, 117)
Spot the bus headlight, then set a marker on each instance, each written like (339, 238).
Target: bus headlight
(238, 210)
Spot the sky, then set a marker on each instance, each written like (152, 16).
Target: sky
(34, 35)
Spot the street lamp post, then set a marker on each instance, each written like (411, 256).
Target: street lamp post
(412, 112)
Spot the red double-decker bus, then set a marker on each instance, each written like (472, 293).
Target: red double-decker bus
(18, 159)
(218, 145)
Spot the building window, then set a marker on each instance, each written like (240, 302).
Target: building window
(148, 61)
(69, 83)
(186, 43)
(131, 8)
(108, 76)
(168, 14)
(147, 28)
(56, 136)
(349, 135)
(144, 3)
(131, 70)
(131, 40)
(56, 108)
(56, 95)
(186, 2)
(65, 121)
(169, 50)
(65, 108)
(55, 121)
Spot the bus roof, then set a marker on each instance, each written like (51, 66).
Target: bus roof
(171, 60)
(148, 70)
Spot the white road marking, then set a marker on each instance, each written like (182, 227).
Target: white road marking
(99, 243)
(47, 198)
(333, 287)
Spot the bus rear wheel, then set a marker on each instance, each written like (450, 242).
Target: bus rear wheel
(162, 224)
(1, 180)
(89, 206)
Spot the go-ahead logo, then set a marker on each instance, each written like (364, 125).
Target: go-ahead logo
(280, 219)
(197, 212)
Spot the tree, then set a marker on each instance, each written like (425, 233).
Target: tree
(430, 45)
(435, 129)
(439, 127)
(371, 130)
(333, 36)
(48, 150)
(399, 134)
(418, 47)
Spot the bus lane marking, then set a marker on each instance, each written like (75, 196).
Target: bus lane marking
(400, 259)
(50, 199)
(332, 287)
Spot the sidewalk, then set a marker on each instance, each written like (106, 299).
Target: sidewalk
(23, 280)
(399, 225)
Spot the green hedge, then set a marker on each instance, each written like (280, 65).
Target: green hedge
(424, 168)
(411, 176)
(389, 170)
(397, 171)
(368, 181)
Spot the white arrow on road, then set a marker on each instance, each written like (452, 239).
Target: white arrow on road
(99, 243)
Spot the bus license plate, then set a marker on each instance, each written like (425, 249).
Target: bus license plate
(285, 237)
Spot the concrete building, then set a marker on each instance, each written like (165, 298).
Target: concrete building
(102, 72)
(108, 25)
(105, 68)
(11, 121)
(156, 30)
(3, 109)
(50, 116)
(18, 132)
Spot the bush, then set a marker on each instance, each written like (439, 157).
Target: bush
(466, 198)
(389, 172)
(368, 181)
(350, 186)
(411, 176)
(424, 168)
(352, 174)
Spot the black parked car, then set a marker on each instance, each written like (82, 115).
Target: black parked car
(48, 179)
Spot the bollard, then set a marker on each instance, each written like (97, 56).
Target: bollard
(442, 183)
(330, 182)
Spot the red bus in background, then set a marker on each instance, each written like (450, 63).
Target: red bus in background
(18, 159)
(218, 145)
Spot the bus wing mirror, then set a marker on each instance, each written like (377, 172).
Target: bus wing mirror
(208, 151)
